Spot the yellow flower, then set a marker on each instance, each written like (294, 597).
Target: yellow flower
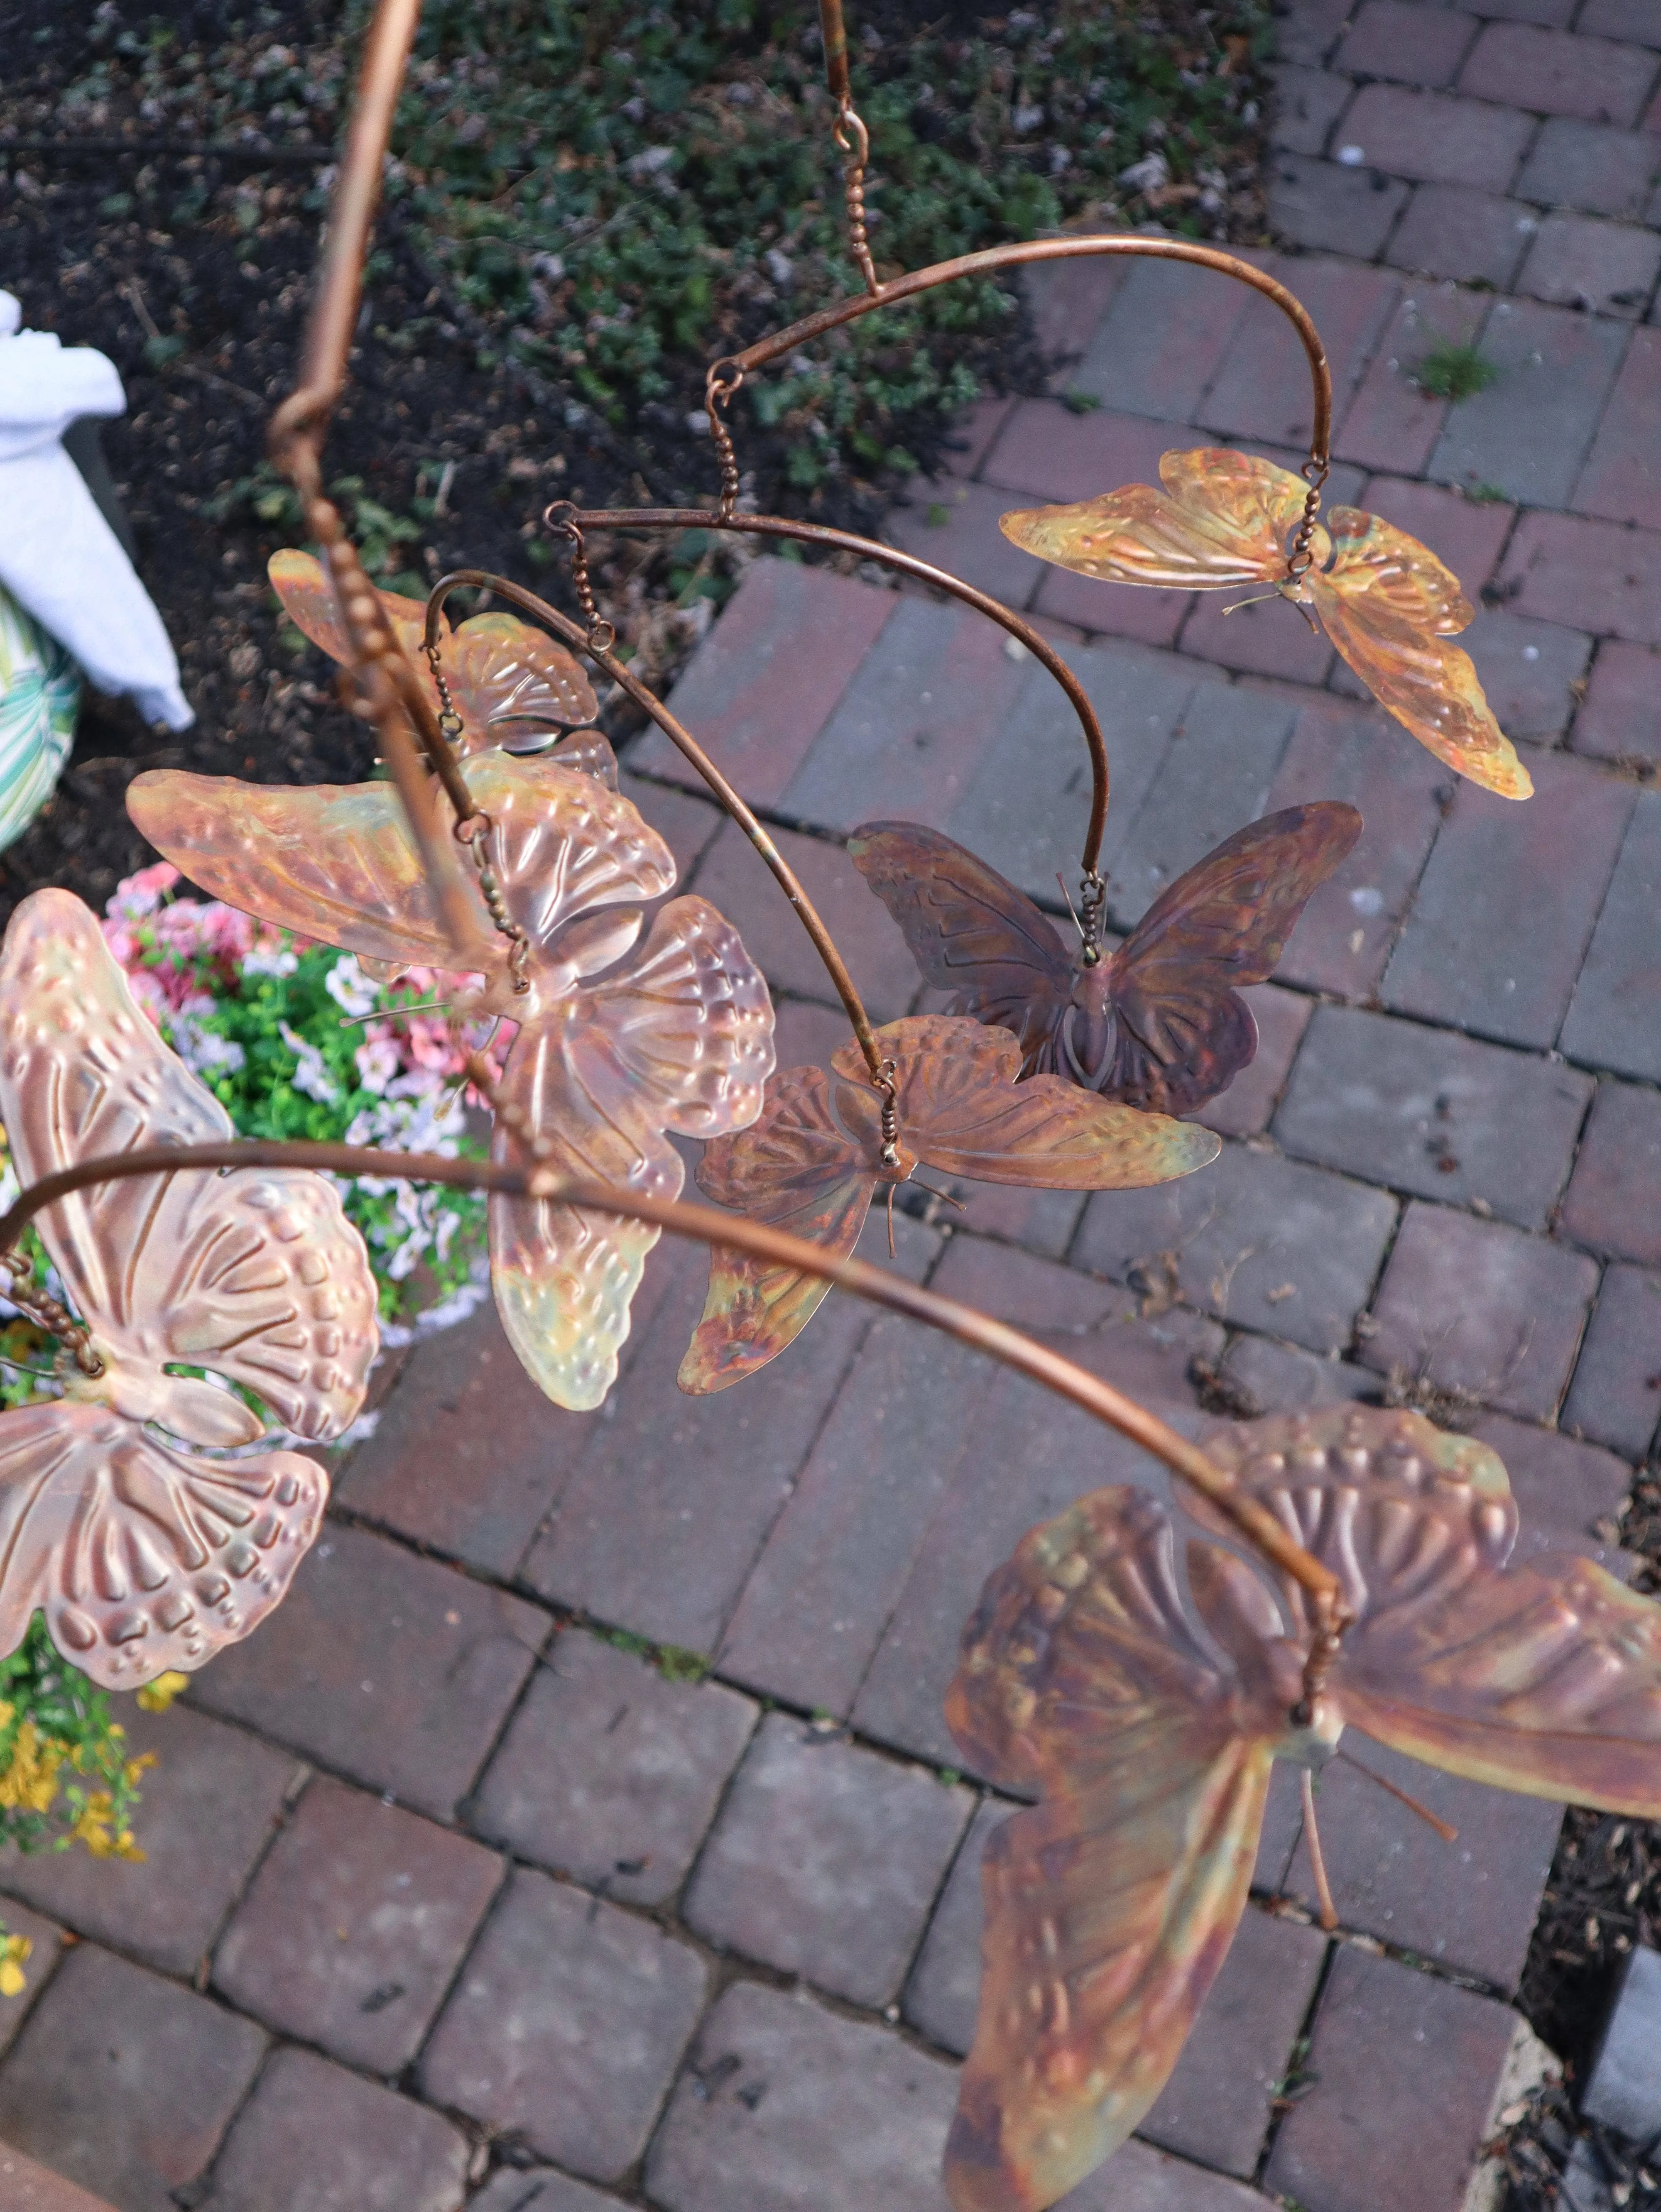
(155, 1697)
(13, 1952)
(30, 1781)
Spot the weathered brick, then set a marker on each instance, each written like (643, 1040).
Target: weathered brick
(1307, 103)
(1246, 1109)
(793, 1874)
(566, 2026)
(1217, 2105)
(1139, 2179)
(389, 1668)
(1391, 422)
(1406, 43)
(1331, 208)
(1407, 2068)
(742, 888)
(46, 1940)
(1162, 340)
(1553, 13)
(1280, 1378)
(750, 695)
(27, 2187)
(1469, 1904)
(1617, 718)
(1127, 610)
(467, 1454)
(1068, 300)
(1615, 1019)
(1621, 480)
(124, 2082)
(1454, 231)
(1308, 30)
(210, 1804)
(1427, 1111)
(928, 700)
(1557, 73)
(1260, 1242)
(958, 530)
(975, 435)
(1466, 534)
(1606, 268)
(1027, 809)
(354, 1925)
(313, 2136)
(1634, 20)
(1436, 140)
(1597, 576)
(668, 1508)
(1614, 1203)
(1615, 1396)
(818, 1597)
(539, 2189)
(1528, 431)
(1365, 757)
(1264, 390)
(943, 1991)
(1507, 902)
(1591, 166)
(1214, 777)
(1476, 1306)
(1260, 636)
(1568, 1492)
(1049, 453)
(611, 1773)
(1530, 671)
(819, 2114)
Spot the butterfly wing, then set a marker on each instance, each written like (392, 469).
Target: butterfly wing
(589, 753)
(142, 1558)
(678, 1037)
(793, 1169)
(511, 684)
(1543, 1677)
(563, 842)
(256, 1275)
(970, 933)
(302, 582)
(1181, 1034)
(1110, 1906)
(963, 1110)
(1223, 518)
(1389, 606)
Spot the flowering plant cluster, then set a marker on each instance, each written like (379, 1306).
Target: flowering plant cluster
(297, 1041)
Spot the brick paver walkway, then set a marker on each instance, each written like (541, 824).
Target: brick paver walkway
(450, 1890)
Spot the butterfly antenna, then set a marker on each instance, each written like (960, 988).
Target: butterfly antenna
(946, 1194)
(1071, 908)
(1444, 1829)
(1317, 1862)
(891, 1189)
(392, 1013)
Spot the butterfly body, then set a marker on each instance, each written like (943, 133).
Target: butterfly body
(1223, 520)
(626, 1031)
(1159, 1023)
(1112, 1904)
(145, 1551)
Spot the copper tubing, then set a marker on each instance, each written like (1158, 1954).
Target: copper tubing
(1065, 249)
(736, 1232)
(573, 633)
(868, 549)
(836, 49)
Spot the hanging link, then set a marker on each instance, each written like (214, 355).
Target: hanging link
(449, 721)
(1092, 899)
(888, 1091)
(561, 519)
(475, 834)
(1302, 560)
(723, 379)
(50, 1313)
(855, 140)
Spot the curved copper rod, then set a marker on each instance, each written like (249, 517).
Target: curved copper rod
(845, 541)
(562, 625)
(1062, 249)
(836, 49)
(295, 438)
(735, 1232)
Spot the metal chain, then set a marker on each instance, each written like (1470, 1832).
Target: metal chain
(1302, 560)
(857, 148)
(1092, 899)
(49, 1314)
(475, 834)
(448, 720)
(887, 1082)
(722, 380)
(561, 519)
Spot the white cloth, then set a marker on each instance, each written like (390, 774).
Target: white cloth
(58, 557)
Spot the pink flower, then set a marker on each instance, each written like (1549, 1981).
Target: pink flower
(140, 894)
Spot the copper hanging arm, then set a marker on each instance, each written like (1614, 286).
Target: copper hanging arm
(993, 257)
(852, 138)
(705, 1225)
(868, 549)
(573, 635)
(391, 692)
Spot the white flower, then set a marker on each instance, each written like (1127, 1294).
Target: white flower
(1151, 174)
(310, 1074)
(203, 1051)
(270, 957)
(349, 988)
